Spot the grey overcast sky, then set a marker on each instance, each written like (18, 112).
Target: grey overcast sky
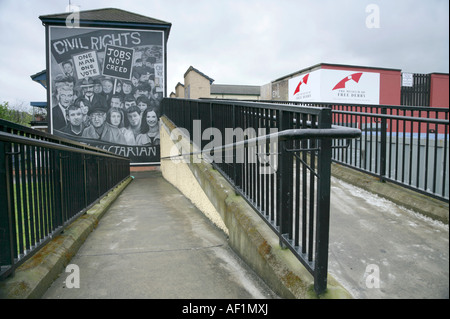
(246, 41)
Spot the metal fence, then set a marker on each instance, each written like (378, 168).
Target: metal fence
(46, 182)
(278, 158)
(405, 145)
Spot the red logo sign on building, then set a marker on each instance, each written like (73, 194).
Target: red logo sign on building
(304, 80)
(341, 84)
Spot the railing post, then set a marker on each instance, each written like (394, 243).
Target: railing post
(323, 207)
(383, 153)
(323, 217)
(58, 181)
(237, 167)
(285, 171)
(6, 221)
(85, 190)
(97, 162)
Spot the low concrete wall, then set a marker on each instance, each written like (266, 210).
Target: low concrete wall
(248, 234)
(32, 279)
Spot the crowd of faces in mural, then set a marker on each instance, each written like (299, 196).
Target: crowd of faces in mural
(108, 109)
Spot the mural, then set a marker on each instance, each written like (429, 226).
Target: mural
(106, 88)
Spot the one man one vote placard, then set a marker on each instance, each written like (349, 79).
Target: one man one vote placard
(86, 64)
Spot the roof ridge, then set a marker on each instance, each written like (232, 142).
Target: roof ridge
(191, 68)
(84, 12)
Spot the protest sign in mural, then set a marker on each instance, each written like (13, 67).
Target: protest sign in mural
(86, 64)
(118, 62)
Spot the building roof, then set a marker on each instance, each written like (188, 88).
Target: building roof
(191, 68)
(39, 104)
(320, 65)
(228, 89)
(107, 16)
(41, 78)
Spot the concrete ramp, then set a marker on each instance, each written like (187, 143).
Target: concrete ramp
(379, 249)
(153, 243)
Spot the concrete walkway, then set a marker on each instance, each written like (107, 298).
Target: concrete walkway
(373, 237)
(153, 243)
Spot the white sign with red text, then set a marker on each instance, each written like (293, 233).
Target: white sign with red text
(336, 86)
(305, 88)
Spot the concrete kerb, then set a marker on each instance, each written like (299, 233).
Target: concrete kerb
(249, 235)
(33, 277)
(401, 196)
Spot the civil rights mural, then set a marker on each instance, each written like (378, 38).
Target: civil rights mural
(106, 88)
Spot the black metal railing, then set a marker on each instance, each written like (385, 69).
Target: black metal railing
(278, 158)
(46, 182)
(405, 145)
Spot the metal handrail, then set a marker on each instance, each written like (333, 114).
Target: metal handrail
(43, 136)
(302, 146)
(389, 106)
(46, 183)
(395, 117)
(11, 138)
(337, 132)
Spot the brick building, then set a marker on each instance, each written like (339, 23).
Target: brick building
(198, 85)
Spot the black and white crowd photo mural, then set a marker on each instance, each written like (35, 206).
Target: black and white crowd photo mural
(106, 88)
